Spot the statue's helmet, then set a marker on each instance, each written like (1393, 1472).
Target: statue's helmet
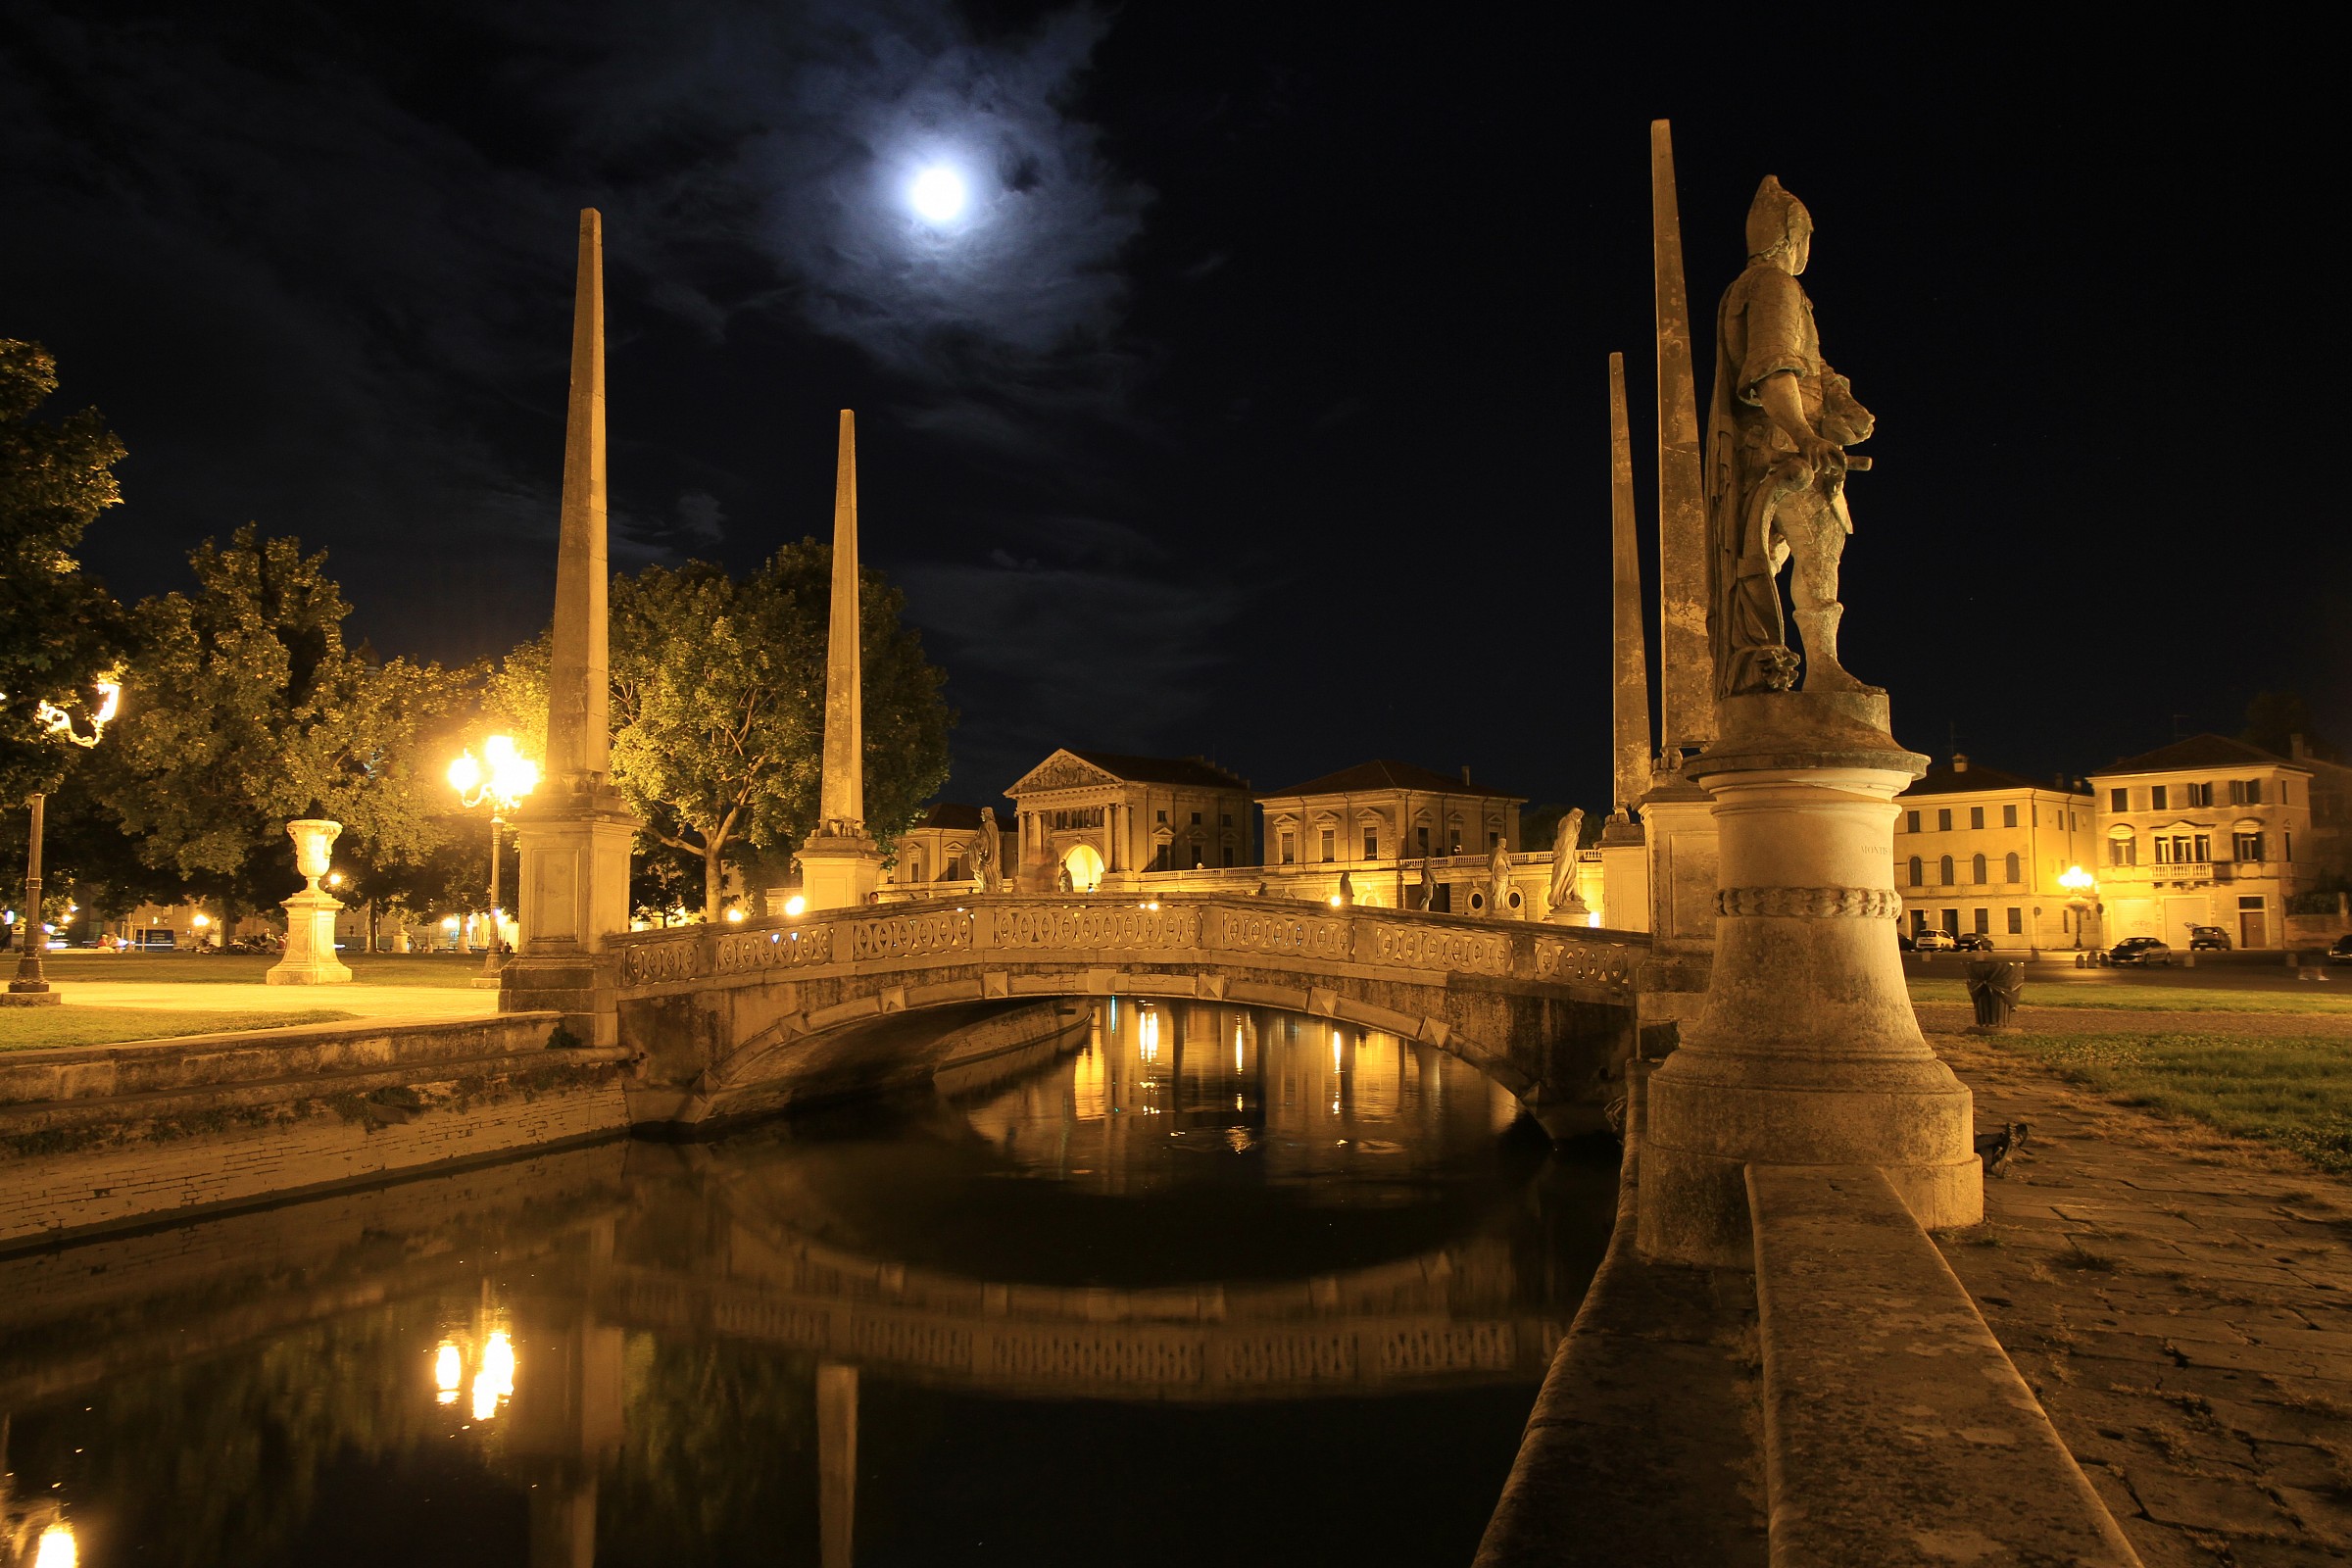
(1774, 218)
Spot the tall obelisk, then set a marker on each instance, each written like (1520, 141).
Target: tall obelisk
(573, 834)
(1623, 855)
(1685, 660)
(1631, 706)
(840, 863)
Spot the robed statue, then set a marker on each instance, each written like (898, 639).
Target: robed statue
(1776, 433)
(1498, 880)
(1564, 896)
(1424, 891)
(991, 854)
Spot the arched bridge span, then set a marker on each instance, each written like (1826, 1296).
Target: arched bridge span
(745, 1017)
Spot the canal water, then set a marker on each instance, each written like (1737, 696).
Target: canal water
(1217, 1286)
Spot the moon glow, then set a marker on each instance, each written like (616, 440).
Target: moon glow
(937, 194)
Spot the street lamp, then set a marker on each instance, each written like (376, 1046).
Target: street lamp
(2079, 884)
(31, 985)
(507, 779)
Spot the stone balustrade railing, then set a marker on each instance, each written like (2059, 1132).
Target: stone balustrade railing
(1013, 929)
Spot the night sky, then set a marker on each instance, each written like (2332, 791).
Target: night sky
(1259, 407)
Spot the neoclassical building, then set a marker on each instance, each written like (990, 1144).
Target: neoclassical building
(939, 849)
(1980, 849)
(1104, 814)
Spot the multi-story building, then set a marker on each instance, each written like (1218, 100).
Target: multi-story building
(1102, 815)
(1976, 849)
(2206, 831)
(1377, 821)
(940, 848)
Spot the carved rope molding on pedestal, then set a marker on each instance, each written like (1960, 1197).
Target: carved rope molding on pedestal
(1814, 904)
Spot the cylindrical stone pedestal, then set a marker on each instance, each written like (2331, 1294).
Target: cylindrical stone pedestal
(1806, 1050)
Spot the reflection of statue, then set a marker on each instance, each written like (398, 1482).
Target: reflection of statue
(990, 861)
(1063, 881)
(1563, 856)
(1426, 895)
(1498, 880)
(1777, 434)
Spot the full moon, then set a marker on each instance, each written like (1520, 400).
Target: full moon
(937, 194)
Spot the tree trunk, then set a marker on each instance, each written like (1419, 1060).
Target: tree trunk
(715, 883)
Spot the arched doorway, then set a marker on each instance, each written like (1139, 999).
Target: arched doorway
(1085, 867)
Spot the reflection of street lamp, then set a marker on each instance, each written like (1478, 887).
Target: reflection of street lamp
(2079, 885)
(510, 776)
(29, 982)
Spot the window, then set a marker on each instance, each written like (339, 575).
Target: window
(1224, 819)
(1289, 850)
(2156, 794)
(2246, 846)
(1453, 838)
(1943, 870)
(2204, 848)
(2287, 839)
(1160, 859)
(1919, 921)
(1951, 921)
(2281, 792)
(1163, 818)
(2014, 870)
(1944, 820)
(1976, 817)
(2123, 851)
(2196, 795)
(1919, 872)
(955, 871)
(1984, 923)
(1494, 839)
(1229, 854)
(1199, 857)
(2119, 800)
(1421, 837)
(2245, 792)
(1371, 846)
(1195, 820)
(1331, 844)
(1976, 869)
(2017, 921)
(2008, 816)
(1910, 821)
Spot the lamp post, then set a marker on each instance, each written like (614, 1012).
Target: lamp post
(30, 987)
(508, 777)
(2079, 884)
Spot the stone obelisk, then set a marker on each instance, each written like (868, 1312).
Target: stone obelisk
(1674, 813)
(1624, 860)
(1685, 660)
(573, 833)
(840, 863)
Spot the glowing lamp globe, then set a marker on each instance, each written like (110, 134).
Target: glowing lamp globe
(937, 195)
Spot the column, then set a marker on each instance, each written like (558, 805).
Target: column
(838, 863)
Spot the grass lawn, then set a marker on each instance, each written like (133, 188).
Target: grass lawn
(2142, 999)
(2295, 1092)
(452, 971)
(37, 1028)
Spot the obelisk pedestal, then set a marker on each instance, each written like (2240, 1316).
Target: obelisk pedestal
(841, 864)
(310, 958)
(1806, 1050)
(574, 833)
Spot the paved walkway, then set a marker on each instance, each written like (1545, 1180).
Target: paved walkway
(2181, 1303)
(367, 1001)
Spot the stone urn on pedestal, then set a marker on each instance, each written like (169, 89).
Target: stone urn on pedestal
(310, 958)
(1806, 1050)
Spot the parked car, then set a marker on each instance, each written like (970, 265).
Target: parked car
(1934, 941)
(1902, 939)
(2142, 950)
(2341, 952)
(2208, 938)
(1973, 942)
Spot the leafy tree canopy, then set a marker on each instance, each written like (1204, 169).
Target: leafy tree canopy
(243, 709)
(60, 631)
(2274, 718)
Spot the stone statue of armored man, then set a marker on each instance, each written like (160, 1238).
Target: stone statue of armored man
(1776, 433)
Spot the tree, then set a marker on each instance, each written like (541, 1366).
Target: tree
(718, 697)
(2274, 718)
(243, 709)
(60, 631)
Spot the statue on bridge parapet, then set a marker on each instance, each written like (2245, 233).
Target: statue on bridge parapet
(1425, 892)
(1567, 906)
(1776, 432)
(988, 858)
(1499, 881)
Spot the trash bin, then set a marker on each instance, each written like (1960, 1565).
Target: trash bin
(1993, 985)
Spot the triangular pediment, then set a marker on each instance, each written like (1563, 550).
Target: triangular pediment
(1064, 770)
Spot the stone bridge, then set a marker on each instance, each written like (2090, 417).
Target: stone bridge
(747, 1017)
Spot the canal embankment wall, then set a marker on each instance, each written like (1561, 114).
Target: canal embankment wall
(1845, 1405)
(98, 1137)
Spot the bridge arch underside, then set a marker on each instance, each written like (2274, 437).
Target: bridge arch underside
(752, 1043)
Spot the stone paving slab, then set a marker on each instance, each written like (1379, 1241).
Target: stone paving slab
(1938, 1017)
(2180, 1301)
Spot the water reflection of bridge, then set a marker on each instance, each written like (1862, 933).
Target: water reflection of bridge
(764, 1244)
